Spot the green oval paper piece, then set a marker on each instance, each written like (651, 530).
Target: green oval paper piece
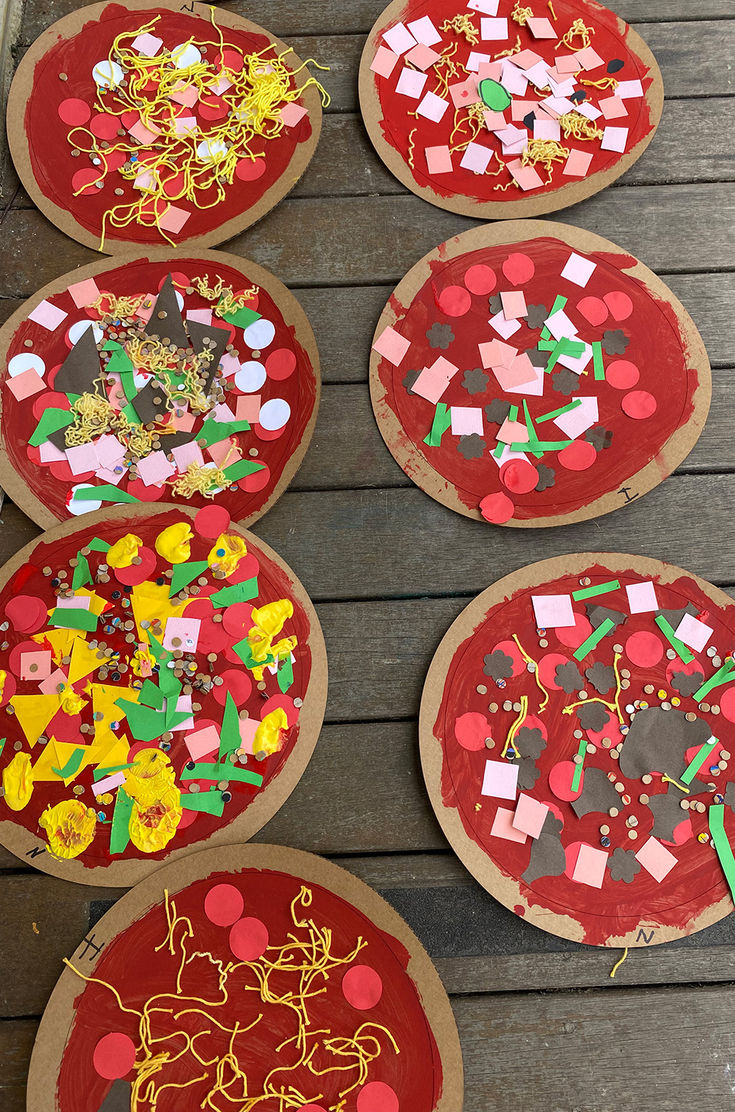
(494, 95)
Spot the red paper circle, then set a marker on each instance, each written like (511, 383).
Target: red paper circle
(519, 476)
(480, 279)
(212, 521)
(249, 939)
(471, 729)
(619, 304)
(573, 636)
(518, 268)
(213, 108)
(593, 309)
(622, 374)
(547, 666)
(238, 619)
(65, 727)
(727, 704)
(144, 493)
(497, 508)
(137, 573)
(114, 1055)
(362, 987)
(104, 126)
(281, 702)
(51, 399)
(247, 568)
(259, 479)
(232, 59)
(250, 169)
(236, 683)
(454, 301)
(560, 781)
(26, 613)
(81, 182)
(223, 904)
(644, 649)
(280, 364)
(376, 1096)
(74, 112)
(639, 405)
(578, 456)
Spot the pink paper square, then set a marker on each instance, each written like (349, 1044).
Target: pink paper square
(614, 139)
(495, 353)
(500, 780)
(495, 121)
(35, 666)
(184, 454)
(25, 385)
(512, 432)
(493, 29)
(82, 458)
(424, 31)
(182, 634)
(504, 328)
(628, 89)
(475, 60)
(641, 598)
(579, 270)
(399, 38)
(154, 469)
(534, 388)
(493, 70)
(83, 293)
(588, 58)
(526, 58)
(433, 380)
(173, 219)
(148, 45)
(411, 84)
(224, 452)
(438, 160)
(656, 859)
(514, 80)
(202, 742)
(293, 113)
(185, 125)
(530, 815)
(576, 421)
(423, 57)
(476, 158)
(464, 93)
(248, 728)
(109, 450)
(392, 346)
(108, 783)
(519, 373)
(144, 179)
(114, 477)
(384, 62)
(578, 163)
(567, 63)
(143, 133)
(590, 866)
(229, 364)
(542, 28)
(514, 304)
(145, 309)
(553, 611)
(201, 316)
(248, 408)
(584, 108)
(546, 129)
(50, 685)
(222, 412)
(503, 827)
(538, 76)
(184, 423)
(432, 107)
(693, 633)
(47, 315)
(466, 420)
(613, 108)
(184, 94)
(50, 453)
(525, 176)
(221, 85)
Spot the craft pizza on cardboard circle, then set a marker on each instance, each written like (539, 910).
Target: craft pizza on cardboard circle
(576, 737)
(531, 374)
(163, 679)
(292, 982)
(160, 377)
(164, 122)
(494, 109)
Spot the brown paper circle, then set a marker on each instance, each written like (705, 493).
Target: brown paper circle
(562, 197)
(66, 28)
(507, 889)
(415, 464)
(13, 482)
(124, 873)
(58, 1017)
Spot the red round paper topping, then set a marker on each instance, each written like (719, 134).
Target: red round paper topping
(547, 666)
(223, 905)
(235, 683)
(593, 309)
(144, 493)
(497, 508)
(178, 278)
(519, 476)
(65, 727)
(622, 374)
(211, 521)
(480, 279)
(518, 268)
(82, 181)
(639, 404)
(280, 364)
(249, 939)
(238, 619)
(213, 108)
(232, 59)
(619, 304)
(727, 704)
(578, 456)
(471, 729)
(376, 1096)
(104, 126)
(362, 987)
(454, 301)
(644, 649)
(560, 781)
(281, 702)
(250, 169)
(573, 636)
(114, 1055)
(26, 613)
(572, 855)
(258, 479)
(137, 573)
(74, 112)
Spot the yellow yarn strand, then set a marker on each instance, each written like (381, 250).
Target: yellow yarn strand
(604, 82)
(529, 660)
(578, 30)
(521, 15)
(619, 962)
(462, 25)
(579, 127)
(546, 152)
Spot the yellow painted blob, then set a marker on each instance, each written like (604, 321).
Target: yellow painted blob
(268, 736)
(227, 553)
(174, 543)
(153, 827)
(71, 703)
(150, 777)
(269, 621)
(18, 781)
(70, 828)
(123, 552)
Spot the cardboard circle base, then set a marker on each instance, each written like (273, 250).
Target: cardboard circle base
(576, 732)
(82, 150)
(499, 116)
(97, 334)
(531, 374)
(164, 679)
(379, 1012)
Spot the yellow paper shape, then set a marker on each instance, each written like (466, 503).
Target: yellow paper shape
(83, 661)
(33, 713)
(150, 601)
(60, 641)
(55, 755)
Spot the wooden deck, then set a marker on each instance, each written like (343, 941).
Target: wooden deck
(543, 1027)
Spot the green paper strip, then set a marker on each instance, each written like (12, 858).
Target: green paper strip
(532, 434)
(236, 592)
(601, 589)
(98, 546)
(578, 767)
(82, 574)
(542, 445)
(594, 638)
(184, 574)
(681, 649)
(213, 432)
(697, 761)
(230, 738)
(73, 617)
(104, 493)
(241, 469)
(597, 361)
(120, 832)
(498, 451)
(722, 844)
(210, 802)
(72, 765)
(245, 652)
(722, 676)
(440, 424)
(100, 773)
(241, 317)
(222, 772)
(513, 413)
(559, 303)
(52, 420)
(285, 675)
(2, 745)
(558, 412)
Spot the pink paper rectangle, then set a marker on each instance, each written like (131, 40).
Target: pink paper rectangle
(438, 160)
(553, 611)
(577, 164)
(392, 346)
(641, 598)
(183, 423)
(173, 219)
(519, 109)
(694, 633)
(109, 450)
(83, 293)
(51, 685)
(530, 815)
(50, 453)
(579, 270)
(476, 158)
(656, 859)
(495, 353)
(185, 125)
(82, 458)
(546, 129)
(154, 469)
(542, 28)
(399, 38)
(433, 380)
(25, 385)
(202, 316)
(432, 107)
(512, 432)
(500, 780)
(503, 827)
(514, 80)
(108, 784)
(223, 451)
(525, 176)
(248, 408)
(493, 28)
(590, 866)
(613, 108)
(494, 121)
(423, 57)
(292, 114)
(476, 60)
(35, 666)
(588, 58)
(384, 62)
(466, 420)
(519, 373)
(504, 328)
(47, 315)
(184, 454)
(614, 139)
(411, 83)
(202, 742)
(184, 94)
(248, 729)
(576, 421)
(182, 634)
(567, 63)
(143, 133)
(424, 31)
(514, 304)
(148, 45)
(464, 93)
(526, 58)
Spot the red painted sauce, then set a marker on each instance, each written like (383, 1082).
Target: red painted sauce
(131, 965)
(19, 419)
(50, 152)
(273, 585)
(697, 881)
(657, 347)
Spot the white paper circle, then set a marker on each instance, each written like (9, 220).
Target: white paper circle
(141, 378)
(211, 150)
(107, 75)
(25, 361)
(259, 334)
(179, 301)
(79, 327)
(185, 55)
(250, 377)
(274, 414)
(82, 507)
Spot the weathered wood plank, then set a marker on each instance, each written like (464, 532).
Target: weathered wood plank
(16, 1043)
